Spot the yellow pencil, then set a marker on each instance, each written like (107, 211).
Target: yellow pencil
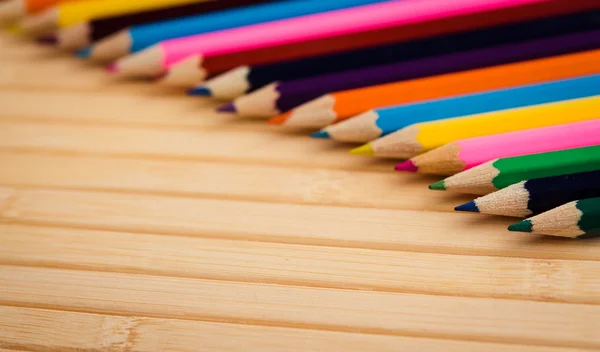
(70, 13)
(416, 139)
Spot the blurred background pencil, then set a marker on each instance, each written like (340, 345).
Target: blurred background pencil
(186, 59)
(245, 79)
(12, 10)
(338, 106)
(578, 219)
(381, 122)
(66, 14)
(498, 174)
(85, 33)
(416, 139)
(465, 154)
(536, 196)
(140, 37)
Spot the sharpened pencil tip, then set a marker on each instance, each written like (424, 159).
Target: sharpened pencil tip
(201, 90)
(227, 108)
(112, 68)
(365, 150)
(84, 53)
(320, 134)
(408, 165)
(280, 120)
(470, 207)
(523, 226)
(438, 186)
(48, 40)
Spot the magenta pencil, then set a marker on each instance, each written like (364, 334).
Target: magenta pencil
(467, 153)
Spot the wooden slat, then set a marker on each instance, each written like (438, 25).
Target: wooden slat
(48, 329)
(373, 270)
(269, 147)
(421, 231)
(474, 319)
(225, 180)
(111, 108)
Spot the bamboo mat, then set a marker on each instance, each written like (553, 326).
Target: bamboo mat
(133, 218)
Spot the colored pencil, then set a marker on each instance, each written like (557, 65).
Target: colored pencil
(283, 96)
(309, 35)
(381, 122)
(536, 196)
(501, 173)
(578, 219)
(12, 10)
(66, 14)
(335, 107)
(416, 139)
(467, 153)
(244, 79)
(83, 34)
(141, 37)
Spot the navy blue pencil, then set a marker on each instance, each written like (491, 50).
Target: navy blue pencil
(244, 79)
(536, 196)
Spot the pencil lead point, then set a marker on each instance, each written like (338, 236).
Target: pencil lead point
(84, 53)
(280, 120)
(408, 165)
(365, 150)
(321, 134)
(438, 186)
(200, 90)
(112, 68)
(47, 40)
(227, 108)
(470, 207)
(523, 226)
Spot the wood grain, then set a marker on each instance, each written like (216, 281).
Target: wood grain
(298, 265)
(462, 318)
(133, 218)
(133, 333)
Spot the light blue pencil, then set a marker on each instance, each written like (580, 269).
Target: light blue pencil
(380, 122)
(140, 37)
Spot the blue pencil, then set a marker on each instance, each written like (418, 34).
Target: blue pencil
(140, 37)
(380, 122)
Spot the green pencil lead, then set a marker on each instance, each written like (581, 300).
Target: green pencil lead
(523, 226)
(438, 186)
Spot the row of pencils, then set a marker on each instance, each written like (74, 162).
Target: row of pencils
(502, 97)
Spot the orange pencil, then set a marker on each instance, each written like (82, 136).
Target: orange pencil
(335, 107)
(11, 10)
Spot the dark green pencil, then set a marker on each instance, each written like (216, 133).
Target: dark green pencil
(578, 219)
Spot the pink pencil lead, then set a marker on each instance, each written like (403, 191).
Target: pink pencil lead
(112, 68)
(407, 166)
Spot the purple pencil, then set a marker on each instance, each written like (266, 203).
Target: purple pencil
(279, 97)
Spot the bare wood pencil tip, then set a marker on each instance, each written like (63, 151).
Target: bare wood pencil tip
(186, 73)
(74, 37)
(12, 10)
(41, 24)
(111, 48)
(147, 64)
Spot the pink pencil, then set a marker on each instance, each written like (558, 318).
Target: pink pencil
(190, 52)
(467, 153)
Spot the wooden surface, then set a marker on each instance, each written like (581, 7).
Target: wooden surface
(133, 218)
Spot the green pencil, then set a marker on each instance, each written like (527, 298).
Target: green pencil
(500, 173)
(578, 219)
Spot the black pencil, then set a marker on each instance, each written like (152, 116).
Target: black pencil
(536, 196)
(239, 81)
